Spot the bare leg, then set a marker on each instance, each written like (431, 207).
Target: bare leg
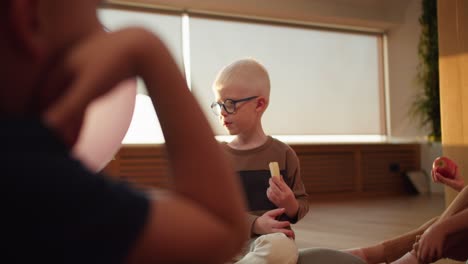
(456, 244)
(455, 249)
(392, 249)
(458, 204)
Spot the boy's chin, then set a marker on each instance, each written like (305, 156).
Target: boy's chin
(232, 132)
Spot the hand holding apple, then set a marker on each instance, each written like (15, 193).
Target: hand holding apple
(445, 167)
(445, 171)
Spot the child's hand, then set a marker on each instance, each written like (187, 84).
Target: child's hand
(282, 196)
(457, 183)
(446, 171)
(430, 246)
(97, 64)
(267, 224)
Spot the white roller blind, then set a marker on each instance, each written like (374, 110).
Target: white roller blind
(165, 26)
(323, 82)
(145, 125)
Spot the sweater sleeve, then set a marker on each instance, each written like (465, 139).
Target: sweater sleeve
(294, 181)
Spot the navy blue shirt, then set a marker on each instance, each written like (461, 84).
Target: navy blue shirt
(54, 210)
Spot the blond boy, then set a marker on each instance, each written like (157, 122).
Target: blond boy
(242, 92)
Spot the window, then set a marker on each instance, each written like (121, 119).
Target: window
(322, 82)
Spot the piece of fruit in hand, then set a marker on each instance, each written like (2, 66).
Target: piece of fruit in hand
(274, 169)
(445, 166)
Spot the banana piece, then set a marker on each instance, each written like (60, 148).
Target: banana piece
(274, 169)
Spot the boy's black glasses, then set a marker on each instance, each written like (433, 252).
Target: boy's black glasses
(229, 105)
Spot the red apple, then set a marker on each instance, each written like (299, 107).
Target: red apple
(445, 167)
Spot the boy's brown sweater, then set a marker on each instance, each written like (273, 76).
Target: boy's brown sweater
(252, 167)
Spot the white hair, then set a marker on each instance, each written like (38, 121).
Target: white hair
(247, 73)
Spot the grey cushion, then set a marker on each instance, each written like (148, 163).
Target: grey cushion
(324, 255)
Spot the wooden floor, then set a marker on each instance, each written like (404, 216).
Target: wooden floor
(357, 223)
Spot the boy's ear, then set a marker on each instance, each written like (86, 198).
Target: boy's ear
(25, 26)
(261, 104)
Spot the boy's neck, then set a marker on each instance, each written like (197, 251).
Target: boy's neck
(248, 141)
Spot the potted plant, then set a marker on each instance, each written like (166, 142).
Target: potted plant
(427, 104)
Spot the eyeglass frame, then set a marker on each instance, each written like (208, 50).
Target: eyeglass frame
(234, 102)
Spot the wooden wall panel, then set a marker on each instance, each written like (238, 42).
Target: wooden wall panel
(453, 69)
(383, 171)
(327, 169)
(328, 172)
(144, 165)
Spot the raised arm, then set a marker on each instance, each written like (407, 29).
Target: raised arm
(189, 224)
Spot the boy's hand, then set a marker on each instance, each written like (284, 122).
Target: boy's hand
(267, 224)
(97, 64)
(282, 196)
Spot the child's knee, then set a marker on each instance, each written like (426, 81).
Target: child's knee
(277, 248)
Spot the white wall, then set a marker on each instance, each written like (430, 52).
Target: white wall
(403, 62)
(429, 152)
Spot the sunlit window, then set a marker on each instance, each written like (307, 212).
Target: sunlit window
(326, 84)
(322, 82)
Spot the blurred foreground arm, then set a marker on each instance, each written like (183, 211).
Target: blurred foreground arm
(189, 224)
